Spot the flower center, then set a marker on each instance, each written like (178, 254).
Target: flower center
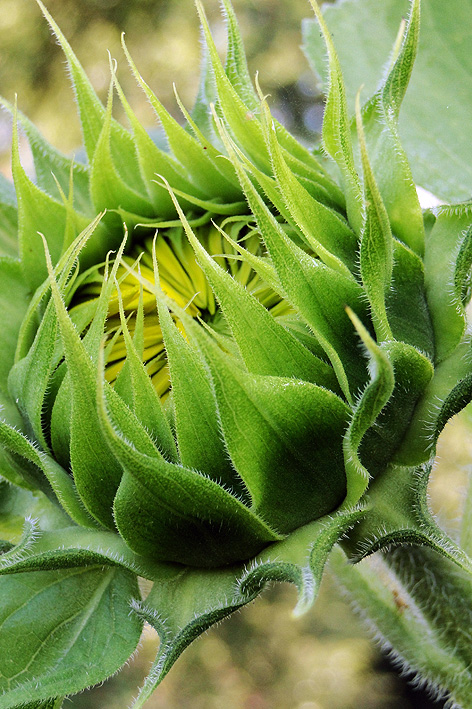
(182, 280)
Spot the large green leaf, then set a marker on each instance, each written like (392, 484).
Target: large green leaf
(438, 103)
(83, 631)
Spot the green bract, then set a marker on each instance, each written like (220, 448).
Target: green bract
(217, 362)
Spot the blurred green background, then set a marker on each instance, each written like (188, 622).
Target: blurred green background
(261, 658)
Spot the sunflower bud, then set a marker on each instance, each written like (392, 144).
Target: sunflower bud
(239, 361)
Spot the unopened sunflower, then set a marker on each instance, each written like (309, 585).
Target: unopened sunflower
(218, 360)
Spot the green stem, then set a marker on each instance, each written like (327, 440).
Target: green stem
(421, 606)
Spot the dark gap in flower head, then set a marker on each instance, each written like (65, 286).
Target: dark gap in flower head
(55, 381)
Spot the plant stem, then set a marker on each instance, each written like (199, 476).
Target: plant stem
(420, 605)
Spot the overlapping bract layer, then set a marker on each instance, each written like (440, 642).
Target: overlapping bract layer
(272, 459)
(284, 425)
